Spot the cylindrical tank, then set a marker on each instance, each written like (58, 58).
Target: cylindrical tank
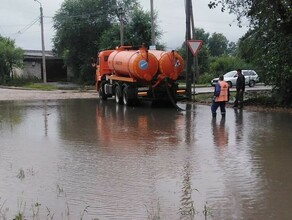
(171, 64)
(138, 64)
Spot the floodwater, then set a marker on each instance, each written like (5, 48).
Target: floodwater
(87, 159)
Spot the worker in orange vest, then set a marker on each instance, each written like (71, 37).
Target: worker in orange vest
(221, 96)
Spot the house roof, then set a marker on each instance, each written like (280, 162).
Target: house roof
(37, 54)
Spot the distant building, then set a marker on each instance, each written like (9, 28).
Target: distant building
(32, 66)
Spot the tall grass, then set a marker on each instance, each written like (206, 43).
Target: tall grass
(21, 81)
(31, 82)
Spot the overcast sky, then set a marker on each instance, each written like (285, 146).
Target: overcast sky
(17, 19)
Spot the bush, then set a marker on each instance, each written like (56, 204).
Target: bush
(223, 64)
(21, 81)
(262, 101)
(205, 78)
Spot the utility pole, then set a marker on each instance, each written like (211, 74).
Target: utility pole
(152, 24)
(196, 73)
(188, 9)
(43, 44)
(121, 19)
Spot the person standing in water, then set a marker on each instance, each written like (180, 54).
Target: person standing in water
(240, 88)
(221, 96)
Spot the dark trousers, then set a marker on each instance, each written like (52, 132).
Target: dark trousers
(215, 106)
(238, 98)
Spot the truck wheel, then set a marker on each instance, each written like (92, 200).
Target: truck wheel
(118, 94)
(130, 95)
(126, 100)
(101, 92)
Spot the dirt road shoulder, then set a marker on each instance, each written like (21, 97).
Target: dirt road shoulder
(27, 94)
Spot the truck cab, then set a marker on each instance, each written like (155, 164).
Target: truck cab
(102, 67)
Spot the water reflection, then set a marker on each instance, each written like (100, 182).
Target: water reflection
(189, 125)
(16, 114)
(239, 126)
(220, 133)
(10, 115)
(76, 121)
(46, 114)
(271, 154)
(122, 127)
(132, 154)
(120, 161)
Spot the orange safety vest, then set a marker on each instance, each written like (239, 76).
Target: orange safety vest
(223, 96)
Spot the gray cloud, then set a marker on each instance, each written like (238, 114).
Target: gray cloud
(16, 16)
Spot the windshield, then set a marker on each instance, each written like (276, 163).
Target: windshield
(230, 74)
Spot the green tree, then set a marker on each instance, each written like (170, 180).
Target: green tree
(10, 57)
(222, 64)
(232, 48)
(217, 44)
(137, 30)
(269, 41)
(212, 57)
(78, 25)
(245, 48)
(203, 54)
(84, 27)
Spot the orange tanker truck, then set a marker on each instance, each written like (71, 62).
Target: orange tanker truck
(130, 75)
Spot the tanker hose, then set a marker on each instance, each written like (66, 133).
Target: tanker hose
(147, 56)
(171, 97)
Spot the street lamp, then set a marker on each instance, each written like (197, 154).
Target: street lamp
(43, 43)
(121, 14)
(152, 25)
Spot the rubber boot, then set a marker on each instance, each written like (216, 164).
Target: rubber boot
(223, 114)
(214, 114)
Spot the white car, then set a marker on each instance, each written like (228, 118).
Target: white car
(251, 78)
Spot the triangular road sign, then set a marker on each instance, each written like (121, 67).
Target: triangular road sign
(195, 46)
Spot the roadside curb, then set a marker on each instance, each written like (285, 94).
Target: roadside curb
(14, 87)
(70, 87)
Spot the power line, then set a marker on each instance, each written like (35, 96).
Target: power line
(84, 15)
(21, 31)
(33, 22)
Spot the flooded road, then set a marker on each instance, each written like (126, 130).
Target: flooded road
(86, 159)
